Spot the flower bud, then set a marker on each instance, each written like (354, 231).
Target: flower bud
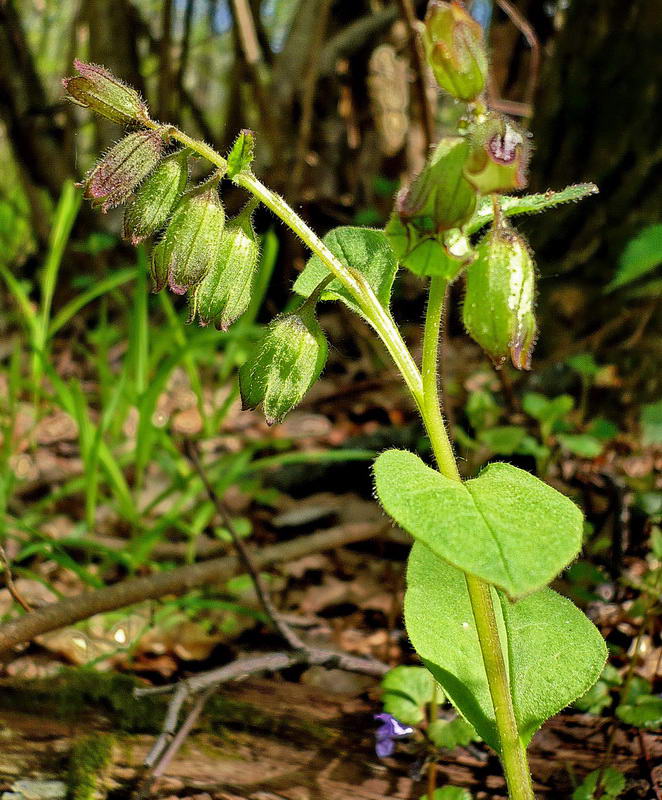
(440, 197)
(499, 302)
(455, 49)
(192, 240)
(286, 363)
(499, 157)
(123, 168)
(224, 293)
(100, 90)
(153, 203)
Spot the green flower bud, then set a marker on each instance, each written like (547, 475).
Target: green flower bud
(192, 240)
(499, 157)
(425, 228)
(285, 364)
(499, 302)
(440, 197)
(100, 90)
(123, 168)
(152, 205)
(455, 50)
(224, 293)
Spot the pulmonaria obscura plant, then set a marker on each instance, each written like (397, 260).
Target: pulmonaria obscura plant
(507, 651)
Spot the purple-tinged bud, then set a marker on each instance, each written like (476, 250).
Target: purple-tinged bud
(499, 157)
(154, 202)
(123, 168)
(192, 240)
(100, 90)
(499, 303)
(455, 50)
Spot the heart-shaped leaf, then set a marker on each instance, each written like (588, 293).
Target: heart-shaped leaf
(363, 249)
(506, 526)
(554, 653)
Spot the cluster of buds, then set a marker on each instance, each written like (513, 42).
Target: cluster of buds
(199, 253)
(427, 229)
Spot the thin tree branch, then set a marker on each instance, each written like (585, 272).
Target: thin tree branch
(526, 29)
(175, 582)
(166, 72)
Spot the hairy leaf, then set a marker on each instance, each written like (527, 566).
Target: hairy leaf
(506, 526)
(528, 204)
(363, 249)
(554, 653)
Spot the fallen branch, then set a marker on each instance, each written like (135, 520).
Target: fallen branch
(170, 739)
(175, 582)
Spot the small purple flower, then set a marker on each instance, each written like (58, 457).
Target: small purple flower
(388, 732)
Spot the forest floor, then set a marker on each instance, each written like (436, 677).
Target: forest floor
(305, 731)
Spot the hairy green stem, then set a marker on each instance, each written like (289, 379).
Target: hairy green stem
(353, 281)
(425, 392)
(513, 752)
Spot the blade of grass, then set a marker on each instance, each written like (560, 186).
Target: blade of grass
(70, 309)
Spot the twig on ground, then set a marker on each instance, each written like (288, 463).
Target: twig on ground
(9, 581)
(263, 595)
(209, 682)
(173, 582)
(157, 760)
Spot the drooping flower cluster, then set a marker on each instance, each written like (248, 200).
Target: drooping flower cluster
(198, 253)
(489, 155)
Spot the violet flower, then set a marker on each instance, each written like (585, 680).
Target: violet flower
(388, 732)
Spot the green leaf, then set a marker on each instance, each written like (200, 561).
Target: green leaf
(612, 783)
(503, 439)
(641, 255)
(581, 444)
(240, 158)
(554, 653)
(527, 204)
(451, 733)
(645, 712)
(595, 700)
(407, 690)
(546, 409)
(449, 793)
(651, 423)
(585, 364)
(506, 526)
(363, 249)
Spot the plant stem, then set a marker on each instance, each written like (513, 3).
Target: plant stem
(431, 410)
(425, 392)
(353, 281)
(513, 752)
